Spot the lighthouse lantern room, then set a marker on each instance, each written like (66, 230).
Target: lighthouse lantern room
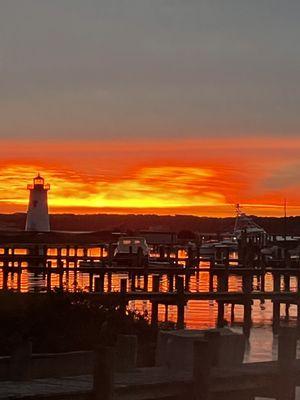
(37, 214)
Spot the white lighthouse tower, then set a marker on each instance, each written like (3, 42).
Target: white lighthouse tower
(37, 214)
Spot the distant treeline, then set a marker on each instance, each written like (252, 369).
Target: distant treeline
(177, 223)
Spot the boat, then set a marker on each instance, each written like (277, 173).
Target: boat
(244, 224)
(132, 250)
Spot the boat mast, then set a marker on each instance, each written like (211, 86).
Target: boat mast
(238, 214)
(285, 218)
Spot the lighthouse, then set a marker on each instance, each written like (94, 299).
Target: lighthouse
(37, 214)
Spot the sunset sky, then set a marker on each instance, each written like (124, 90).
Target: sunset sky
(165, 106)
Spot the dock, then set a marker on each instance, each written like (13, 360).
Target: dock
(206, 380)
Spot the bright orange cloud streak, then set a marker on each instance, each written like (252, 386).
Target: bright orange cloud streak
(204, 177)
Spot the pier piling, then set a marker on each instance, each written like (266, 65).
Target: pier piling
(103, 382)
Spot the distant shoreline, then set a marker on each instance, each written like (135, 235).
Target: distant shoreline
(135, 222)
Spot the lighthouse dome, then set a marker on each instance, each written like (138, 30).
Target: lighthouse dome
(38, 180)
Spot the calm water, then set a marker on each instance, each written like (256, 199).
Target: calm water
(198, 314)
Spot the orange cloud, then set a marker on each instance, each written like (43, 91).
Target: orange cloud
(204, 177)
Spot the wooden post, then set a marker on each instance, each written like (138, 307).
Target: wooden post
(287, 343)
(171, 282)
(222, 284)
(276, 282)
(91, 276)
(276, 303)
(211, 281)
(232, 312)
(123, 291)
(85, 253)
(99, 284)
(262, 281)
(247, 319)
(5, 278)
(67, 256)
(190, 260)
(61, 273)
(123, 286)
(20, 362)
(48, 277)
(276, 316)
(187, 280)
(103, 383)
(161, 253)
(247, 283)
(109, 283)
(220, 318)
(287, 288)
(226, 258)
(75, 256)
(180, 302)
(166, 312)
(214, 342)
(202, 370)
(126, 352)
(133, 282)
(286, 279)
(154, 308)
(287, 311)
(19, 276)
(146, 282)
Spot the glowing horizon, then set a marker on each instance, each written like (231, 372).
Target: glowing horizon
(153, 177)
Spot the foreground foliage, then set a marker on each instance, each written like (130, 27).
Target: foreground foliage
(59, 322)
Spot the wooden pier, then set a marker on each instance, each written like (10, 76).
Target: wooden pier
(58, 254)
(206, 380)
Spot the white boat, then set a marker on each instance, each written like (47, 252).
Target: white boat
(210, 248)
(245, 224)
(132, 249)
